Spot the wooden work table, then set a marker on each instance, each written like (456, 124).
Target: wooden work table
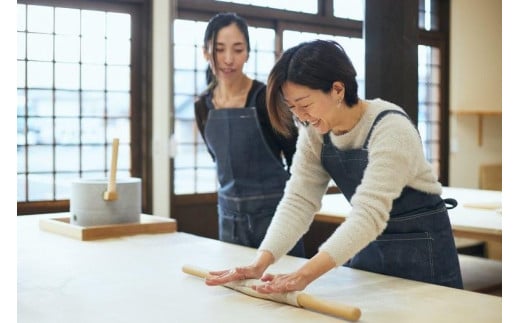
(477, 216)
(139, 279)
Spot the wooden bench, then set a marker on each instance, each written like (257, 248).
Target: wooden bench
(481, 275)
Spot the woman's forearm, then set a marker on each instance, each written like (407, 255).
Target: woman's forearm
(318, 265)
(263, 260)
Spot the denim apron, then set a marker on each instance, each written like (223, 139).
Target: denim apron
(418, 242)
(251, 178)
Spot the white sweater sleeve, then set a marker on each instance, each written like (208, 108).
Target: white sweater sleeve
(302, 197)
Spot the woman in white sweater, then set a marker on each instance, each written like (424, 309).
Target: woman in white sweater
(398, 224)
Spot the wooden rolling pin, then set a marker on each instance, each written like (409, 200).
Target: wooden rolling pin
(298, 299)
(111, 193)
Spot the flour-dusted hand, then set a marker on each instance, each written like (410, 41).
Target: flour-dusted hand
(319, 264)
(282, 283)
(225, 276)
(253, 271)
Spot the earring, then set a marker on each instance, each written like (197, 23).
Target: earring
(339, 101)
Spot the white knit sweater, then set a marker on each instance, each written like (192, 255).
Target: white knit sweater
(396, 159)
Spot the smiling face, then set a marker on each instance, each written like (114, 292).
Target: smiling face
(316, 107)
(229, 53)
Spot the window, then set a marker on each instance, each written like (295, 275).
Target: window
(429, 14)
(433, 84)
(351, 9)
(75, 95)
(194, 170)
(307, 6)
(429, 121)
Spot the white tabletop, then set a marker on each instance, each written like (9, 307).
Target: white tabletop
(477, 210)
(139, 279)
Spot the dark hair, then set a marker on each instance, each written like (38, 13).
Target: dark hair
(215, 24)
(316, 64)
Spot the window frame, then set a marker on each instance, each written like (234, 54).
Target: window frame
(140, 87)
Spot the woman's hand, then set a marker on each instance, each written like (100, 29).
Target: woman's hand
(282, 283)
(229, 275)
(298, 280)
(254, 271)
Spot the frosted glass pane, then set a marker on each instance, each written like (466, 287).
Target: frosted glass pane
(264, 62)
(20, 110)
(93, 77)
(40, 158)
(21, 187)
(307, 6)
(93, 158)
(39, 47)
(355, 49)
(67, 48)
(39, 103)
(20, 77)
(188, 32)
(43, 129)
(184, 111)
(206, 181)
(41, 185)
(63, 182)
(67, 76)
(92, 130)
(66, 104)
(185, 56)
(118, 78)
(93, 50)
(21, 45)
(184, 82)
(39, 74)
(118, 51)
(93, 104)
(123, 158)
(93, 23)
(118, 128)
(184, 180)
(261, 39)
(118, 26)
(40, 19)
(67, 21)
(118, 104)
(20, 131)
(21, 22)
(67, 132)
(350, 9)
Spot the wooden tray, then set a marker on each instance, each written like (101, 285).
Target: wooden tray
(148, 224)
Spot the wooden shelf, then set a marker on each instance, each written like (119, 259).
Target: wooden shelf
(477, 112)
(480, 114)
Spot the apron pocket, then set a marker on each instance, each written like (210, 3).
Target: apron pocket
(406, 255)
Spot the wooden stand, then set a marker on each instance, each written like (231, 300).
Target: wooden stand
(148, 224)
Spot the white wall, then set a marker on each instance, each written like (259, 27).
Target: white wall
(475, 84)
